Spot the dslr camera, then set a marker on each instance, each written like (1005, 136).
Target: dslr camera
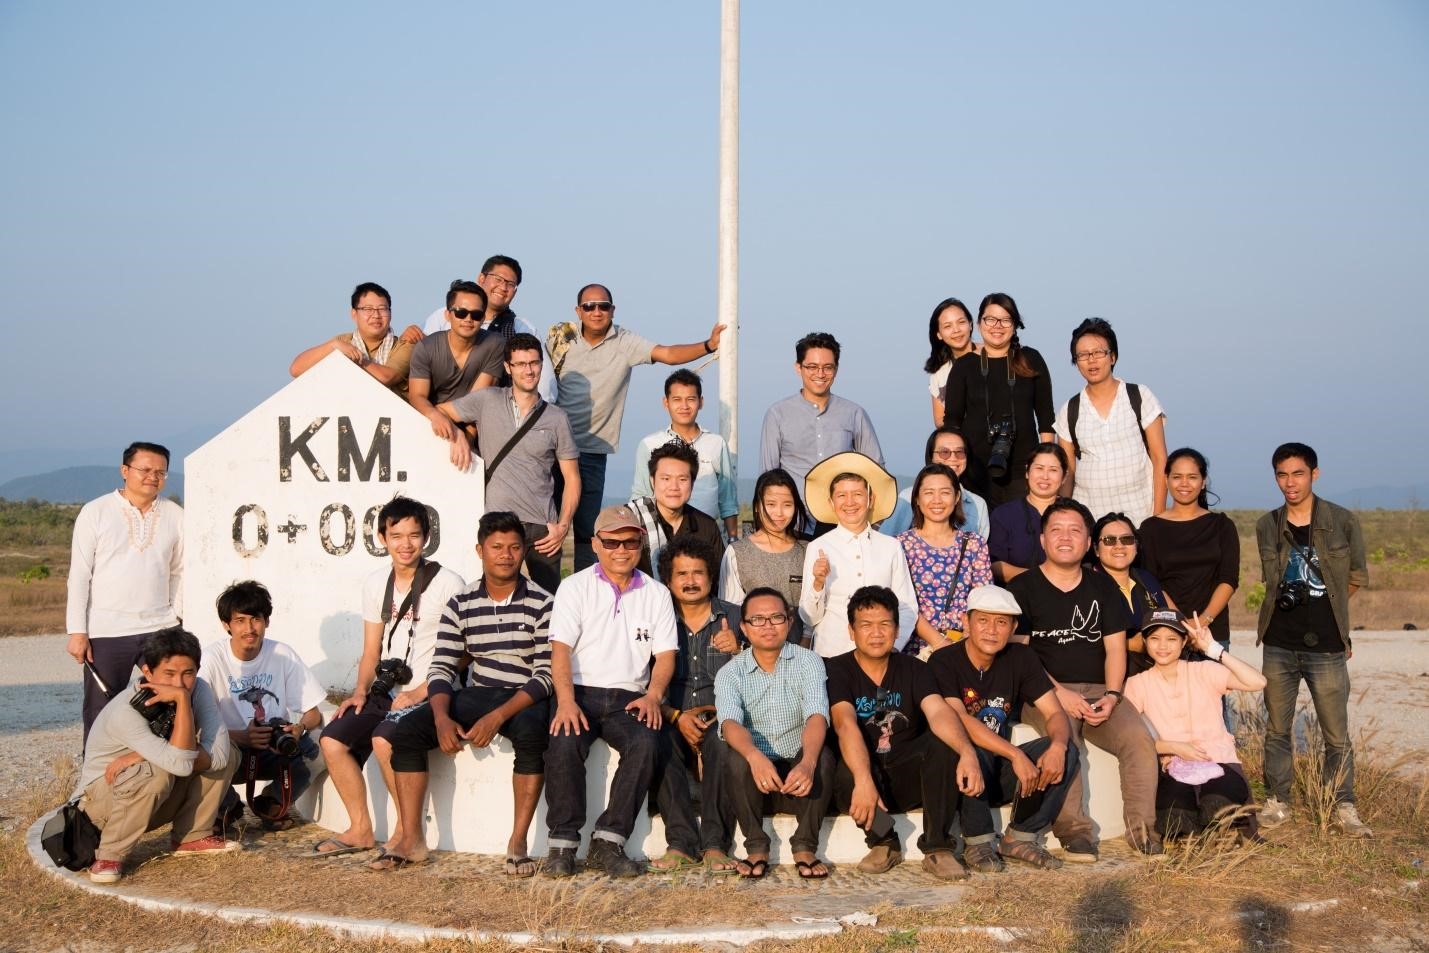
(391, 672)
(160, 717)
(1000, 436)
(282, 742)
(1292, 594)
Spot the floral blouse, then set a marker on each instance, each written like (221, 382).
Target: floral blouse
(933, 568)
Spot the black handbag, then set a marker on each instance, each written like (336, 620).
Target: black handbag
(70, 837)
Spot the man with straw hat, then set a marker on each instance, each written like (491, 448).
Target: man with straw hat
(851, 490)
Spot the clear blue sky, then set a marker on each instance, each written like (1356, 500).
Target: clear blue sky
(189, 192)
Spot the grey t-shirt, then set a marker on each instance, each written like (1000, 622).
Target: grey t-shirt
(120, 729)
(593, 384)
(432, 361)
(523, 483)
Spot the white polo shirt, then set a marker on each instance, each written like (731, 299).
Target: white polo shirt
(613, 635)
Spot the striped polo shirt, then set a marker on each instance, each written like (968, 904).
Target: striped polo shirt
(508, 641)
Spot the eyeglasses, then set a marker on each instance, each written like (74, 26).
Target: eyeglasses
(1084, 356)
(996, 322)
(462, 314)
(524, 365)
(632, 544)
(1118, 540)
(950, 454)
(765, 621)
(819, 370)
(146, 472)
(373, 311)
(589, 306)
(497, 280)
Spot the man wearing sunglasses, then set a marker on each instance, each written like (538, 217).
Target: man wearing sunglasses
(451, 365)
(593, 369)
(608, 624)
(500, 278)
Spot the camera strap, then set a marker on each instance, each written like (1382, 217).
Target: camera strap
(1011, 387)
(421, 579)
(957, 573)
(285, 786)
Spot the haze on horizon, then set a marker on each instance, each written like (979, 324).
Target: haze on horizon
(190, 193)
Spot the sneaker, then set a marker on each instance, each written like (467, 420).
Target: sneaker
(1273, 813)
(206, 845)
(609, 857)
(560, 862)
(1080, 850)
(1028, 852)
(105, 871)
(983, 858)
(1347, 821)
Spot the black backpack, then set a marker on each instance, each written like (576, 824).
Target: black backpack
(1074, 408)
(70, 837)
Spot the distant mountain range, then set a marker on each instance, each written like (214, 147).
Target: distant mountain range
(76, 485)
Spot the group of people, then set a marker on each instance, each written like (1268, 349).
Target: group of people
(855, 650)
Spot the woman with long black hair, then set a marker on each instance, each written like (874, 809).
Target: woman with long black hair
(950, 336)
(1001, 400)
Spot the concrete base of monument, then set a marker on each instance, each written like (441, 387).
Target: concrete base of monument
(469, 807)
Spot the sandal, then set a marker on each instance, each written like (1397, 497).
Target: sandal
(519, 867)
(335, 848)
(1028, 852)
(807, 872)
(672, 862)
(387, 861)
(753, 869)
(720, 864)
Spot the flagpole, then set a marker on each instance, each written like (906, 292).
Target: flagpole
(728, 242)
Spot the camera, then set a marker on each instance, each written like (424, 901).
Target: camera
(160, 717)
(1291, 595)
(1000, 436)
(391, 672)
(282, 742)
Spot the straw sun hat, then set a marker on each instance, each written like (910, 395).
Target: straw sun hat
(818, 484)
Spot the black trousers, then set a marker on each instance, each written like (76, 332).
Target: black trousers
(1183, 809)
(919, 773)
(686, 830)
(1031, 814)
(752, 804)
(115, 658)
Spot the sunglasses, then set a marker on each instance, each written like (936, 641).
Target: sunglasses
(1118, 540)
(631, 544)
(463, 314)
(589, 306)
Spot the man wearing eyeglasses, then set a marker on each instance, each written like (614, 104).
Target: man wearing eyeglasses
(609, 624)
(500, 278)
(125, 575)
(451, 365)
(814, 424)
(372, 346)
(593, 370)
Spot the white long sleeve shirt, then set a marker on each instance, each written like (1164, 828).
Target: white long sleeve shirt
(125, 568)
(855, 560)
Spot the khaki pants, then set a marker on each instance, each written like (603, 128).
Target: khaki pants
(144, 798)
(1124, 735)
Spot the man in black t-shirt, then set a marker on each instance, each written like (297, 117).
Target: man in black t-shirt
(1312, 559)
(902, 745)
(1076, 622)
(987, 682)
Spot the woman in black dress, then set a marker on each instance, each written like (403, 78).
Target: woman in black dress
(1116, 546)
(1001, 400)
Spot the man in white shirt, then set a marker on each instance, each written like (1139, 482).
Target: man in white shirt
(125, 574)
(402, 607)
(141, 772)
(608, 624)
(259, 681)
(851, 489)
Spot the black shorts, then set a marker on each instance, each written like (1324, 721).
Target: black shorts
(356, 729)
(528, 730)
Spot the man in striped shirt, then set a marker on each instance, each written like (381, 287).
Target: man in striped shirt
(502, 624)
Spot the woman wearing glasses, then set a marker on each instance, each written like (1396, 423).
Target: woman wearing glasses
(1016, 538)
(1113, 432)
(773, 555)
(1115, 544)
(1001, 399)
(950, 334)
(945, 563)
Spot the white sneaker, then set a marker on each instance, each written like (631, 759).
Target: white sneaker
(1347, 821)
(1275, 812)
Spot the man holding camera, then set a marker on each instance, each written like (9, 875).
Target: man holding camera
(155, 756)
(1312, 557)
(402, 607)
(259, 683)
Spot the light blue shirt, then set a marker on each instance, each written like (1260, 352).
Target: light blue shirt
(775, 705)
(797, 435)
(975, 516)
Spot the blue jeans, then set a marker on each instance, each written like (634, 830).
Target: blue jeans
(592, 467)
(1030, 815)
(1329, 681)
(566, 754)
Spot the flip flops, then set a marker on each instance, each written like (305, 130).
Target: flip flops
(387, 861)
(752, 869)
(519, 867)
(807, 872)
(714, 859)
(338, 849)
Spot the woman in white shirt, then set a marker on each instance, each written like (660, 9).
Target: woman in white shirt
(950, 335)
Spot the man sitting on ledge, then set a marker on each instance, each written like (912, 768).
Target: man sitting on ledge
(500, 624)
(902, 746)
(166, 759)
(773, 709)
